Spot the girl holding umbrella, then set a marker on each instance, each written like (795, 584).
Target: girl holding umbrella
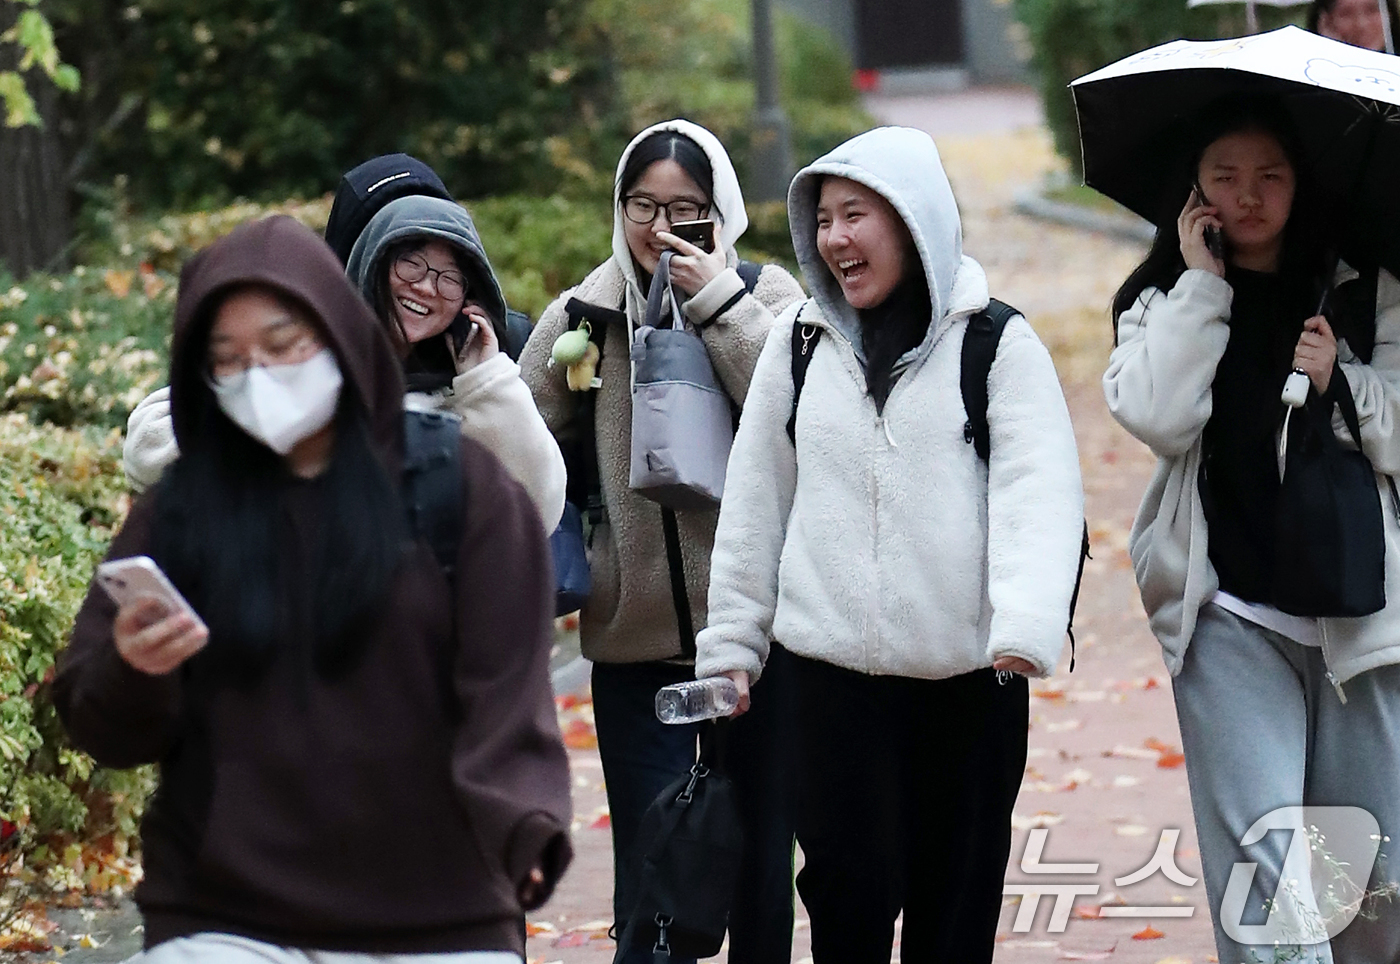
(1208, 329)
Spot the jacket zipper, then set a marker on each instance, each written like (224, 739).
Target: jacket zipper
(872, 606)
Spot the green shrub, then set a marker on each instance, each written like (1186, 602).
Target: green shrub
(1070, 38)
(62, 495)
(86, 347)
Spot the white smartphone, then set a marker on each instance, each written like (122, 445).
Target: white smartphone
(138, 577)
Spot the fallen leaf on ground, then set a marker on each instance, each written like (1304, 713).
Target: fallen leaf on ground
(1132, 753)
(1148, 933)
(1170, 761)
(1064, 726)
(601, 822)
(1125, 781)
(578, 735)
(572, 939)
(1130, 830)
(1036, 821)
(1086, 912)
(1088, 955)
(1175, 960)
(536, 928)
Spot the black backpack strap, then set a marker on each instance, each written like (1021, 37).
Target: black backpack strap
(679, 597)
(979, 350)
(585, 486)
(518, 329)
(748, 274)
(804, 346)
(432, 482)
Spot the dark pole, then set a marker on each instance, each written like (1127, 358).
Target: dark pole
(772, 168)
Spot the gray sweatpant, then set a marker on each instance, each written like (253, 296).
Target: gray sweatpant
(215, 948)
(1262, 728)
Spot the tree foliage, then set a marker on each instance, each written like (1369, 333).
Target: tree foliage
(31, 39)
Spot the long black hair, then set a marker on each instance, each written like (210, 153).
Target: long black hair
(223, 535)
(662, 146)
(1307, 249)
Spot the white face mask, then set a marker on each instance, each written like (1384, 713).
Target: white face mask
(279, 405)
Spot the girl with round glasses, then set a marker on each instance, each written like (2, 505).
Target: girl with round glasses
(421, 265)
(630, 629)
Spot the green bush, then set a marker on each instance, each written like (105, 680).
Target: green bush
(1070, 38)
(86, 347)
(62, 495)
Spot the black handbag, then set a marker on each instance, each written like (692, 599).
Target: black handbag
(572, 579)
(1329, 545)
(687, 855)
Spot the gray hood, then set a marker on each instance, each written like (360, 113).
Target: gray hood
(902, 165)
(417, 216)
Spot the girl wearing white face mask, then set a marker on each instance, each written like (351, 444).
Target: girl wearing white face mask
(341, 677)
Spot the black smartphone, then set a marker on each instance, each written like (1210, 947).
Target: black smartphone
(699, 233)
(1215, 243)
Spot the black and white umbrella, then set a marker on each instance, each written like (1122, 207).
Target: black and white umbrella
(1344, 102)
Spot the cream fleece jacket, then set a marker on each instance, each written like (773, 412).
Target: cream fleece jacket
(630, 616)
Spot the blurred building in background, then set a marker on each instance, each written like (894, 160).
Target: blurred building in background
(915, 46)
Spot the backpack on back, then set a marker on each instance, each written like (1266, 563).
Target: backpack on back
(979, 350)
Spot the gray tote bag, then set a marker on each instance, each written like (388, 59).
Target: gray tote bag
(682, 420)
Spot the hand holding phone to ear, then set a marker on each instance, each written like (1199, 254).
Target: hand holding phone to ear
(1197, 218)
(481, 344)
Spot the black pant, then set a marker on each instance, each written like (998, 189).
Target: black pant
(905, 791)
(758, 759)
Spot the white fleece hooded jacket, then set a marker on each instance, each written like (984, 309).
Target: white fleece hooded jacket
(882, 543)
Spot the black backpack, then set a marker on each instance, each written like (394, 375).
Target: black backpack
(432, 482)
(979, 350)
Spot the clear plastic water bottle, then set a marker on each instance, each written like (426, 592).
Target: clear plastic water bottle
(701, 699)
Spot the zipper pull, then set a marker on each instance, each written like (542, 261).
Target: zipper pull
(884, 423)
(1331, 678)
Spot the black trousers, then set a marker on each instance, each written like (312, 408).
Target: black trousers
(905, 791)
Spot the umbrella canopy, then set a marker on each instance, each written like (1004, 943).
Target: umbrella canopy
(1135, 115)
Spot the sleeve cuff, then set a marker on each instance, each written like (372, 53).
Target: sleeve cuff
(538, 841)
(475, 379)
(715, 298)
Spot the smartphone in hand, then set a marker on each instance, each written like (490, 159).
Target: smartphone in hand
(1215, 242)
(129, 580)
(699, 233)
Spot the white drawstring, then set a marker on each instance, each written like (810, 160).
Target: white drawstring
(889, 437)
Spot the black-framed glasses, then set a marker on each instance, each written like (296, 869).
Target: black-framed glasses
(641, 209)
(411, 269)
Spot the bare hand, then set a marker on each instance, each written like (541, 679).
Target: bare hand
(1014, 664)
(481, 345)
(741, 683)
(1191, 227)
(153, 642)
(1316, 352)
(692, 268)
(531, 892)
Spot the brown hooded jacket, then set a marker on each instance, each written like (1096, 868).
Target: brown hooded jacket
(396, 808)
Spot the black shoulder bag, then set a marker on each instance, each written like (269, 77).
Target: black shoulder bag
(1329, 535)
